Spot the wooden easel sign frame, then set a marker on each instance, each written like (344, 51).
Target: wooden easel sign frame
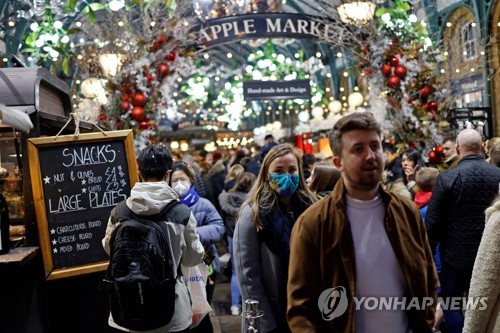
(76, 182)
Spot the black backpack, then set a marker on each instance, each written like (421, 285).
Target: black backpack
(141, 275)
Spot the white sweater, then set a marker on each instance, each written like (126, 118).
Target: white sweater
(485, 280)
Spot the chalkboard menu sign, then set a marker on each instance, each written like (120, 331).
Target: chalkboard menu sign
(76, 183)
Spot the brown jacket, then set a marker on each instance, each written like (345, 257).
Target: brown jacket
(322, 256)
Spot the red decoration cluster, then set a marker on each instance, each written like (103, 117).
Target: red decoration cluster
(394, 72)
(136, 101)
(436, 154)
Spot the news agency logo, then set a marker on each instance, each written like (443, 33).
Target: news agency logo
(333, 303)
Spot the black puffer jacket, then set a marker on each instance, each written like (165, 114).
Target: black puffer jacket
(455, 217)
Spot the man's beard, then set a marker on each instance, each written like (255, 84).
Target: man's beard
(367, 182)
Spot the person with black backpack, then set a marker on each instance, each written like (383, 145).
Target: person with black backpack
(148, 236)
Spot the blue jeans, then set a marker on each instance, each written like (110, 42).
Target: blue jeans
(454, 283)
(235, 290)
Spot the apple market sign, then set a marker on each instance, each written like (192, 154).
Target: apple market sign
(267, 25)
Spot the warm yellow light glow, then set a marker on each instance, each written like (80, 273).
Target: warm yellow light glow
(357, 12)
(174, 145)
(110, 63)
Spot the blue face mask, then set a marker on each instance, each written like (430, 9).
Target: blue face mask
(284, 184)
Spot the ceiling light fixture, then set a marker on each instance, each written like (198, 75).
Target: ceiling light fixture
(356, 12)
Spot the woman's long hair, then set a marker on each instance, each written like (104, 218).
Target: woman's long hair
(234, 172)
(415, 156)
(326, 175)
(244, 182)
(262, 198)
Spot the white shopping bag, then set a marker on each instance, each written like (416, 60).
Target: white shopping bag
(196, 281)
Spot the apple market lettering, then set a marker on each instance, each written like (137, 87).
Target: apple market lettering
(88, 155)
(265, 25)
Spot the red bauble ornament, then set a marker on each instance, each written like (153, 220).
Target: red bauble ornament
(394, 61)
(433, 157)
(125, 105)
(102, 117)
(439, 150)
(139, 99)
(160, 39)
(125, 97)
(400, 71)
(386, 69)
(171, 56)
(144, 124)
(150, 78)
(393, 82)
(425, 91)
(433, 106)
(138, 113)
(410, 100)
(163, 70)
(425, 106)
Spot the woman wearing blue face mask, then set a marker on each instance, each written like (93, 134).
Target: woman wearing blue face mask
(209, 226)
(261, 245)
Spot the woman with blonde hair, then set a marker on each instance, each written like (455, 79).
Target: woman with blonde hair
(232, 174)
(262, 234)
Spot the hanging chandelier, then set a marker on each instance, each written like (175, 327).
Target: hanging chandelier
(356, 12)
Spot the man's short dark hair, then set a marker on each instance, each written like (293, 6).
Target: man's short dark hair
(154, 162)
(354, 121)
(387, 146)
(449, 138)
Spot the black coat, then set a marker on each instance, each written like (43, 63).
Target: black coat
(455, 217)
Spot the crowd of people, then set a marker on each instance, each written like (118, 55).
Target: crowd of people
(308, 238)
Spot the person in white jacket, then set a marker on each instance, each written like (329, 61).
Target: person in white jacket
(149, 197)
(485, 282)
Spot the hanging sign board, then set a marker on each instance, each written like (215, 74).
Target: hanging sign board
(254, 90)
(196, 123)
(467, 84)
(76, 182)
(268, 25)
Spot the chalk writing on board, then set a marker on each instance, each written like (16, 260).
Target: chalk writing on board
(77, 181)
(82, 184)
(88, 155)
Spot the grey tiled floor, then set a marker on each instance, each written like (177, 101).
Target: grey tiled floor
(222, 320)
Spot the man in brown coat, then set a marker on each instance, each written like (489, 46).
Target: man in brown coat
(360, 247)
